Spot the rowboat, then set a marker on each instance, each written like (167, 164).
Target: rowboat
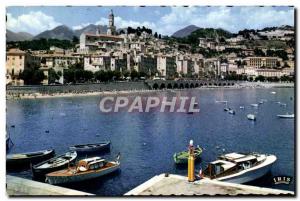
(25, 159)
(251, 117)
(57, 163)
(182, 157)
(254, 105)
(82, 148)
(287, 116)
(86, 169)
(239, 168)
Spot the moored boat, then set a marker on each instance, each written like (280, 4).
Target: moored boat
(86, 169)
(254, 105)
(82, 148)
(182, 157)
(287, 116)
(242, 107)
(57, 163)
(226, 109)
(25, 159)
(251, 117)
(239, 168)
(231, 112)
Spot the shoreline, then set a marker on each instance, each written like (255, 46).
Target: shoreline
(126, 92)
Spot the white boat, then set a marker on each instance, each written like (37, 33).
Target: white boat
(273, 92)
(239, 168)
(251, 117)
(287, 116)
(242, 107)
(86, 169)
(231, 112)
(254, 105)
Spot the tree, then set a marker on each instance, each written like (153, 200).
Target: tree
(259, 52)
(155, 35)
(75, 40)
(260, 78)
(32, 76)
(134, 74)
(52, 76)
(159, 36)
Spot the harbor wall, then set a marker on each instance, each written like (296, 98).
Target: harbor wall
(16, 186)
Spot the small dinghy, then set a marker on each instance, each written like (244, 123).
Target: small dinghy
(251, 117)
(254, 105)
(221, 101)
(242, 107)
(25, 159)
(273, 92)
(57, 163)
(83, 148)
(231, 112)
(86, 169)
(239, 168)
(287, 116)
(182, 157)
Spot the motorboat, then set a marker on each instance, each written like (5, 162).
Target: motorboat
(251, 117)
(86, 169)
(239, 167)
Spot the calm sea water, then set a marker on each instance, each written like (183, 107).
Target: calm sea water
(147, 141)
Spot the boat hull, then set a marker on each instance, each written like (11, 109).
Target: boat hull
(14, 163)
(81, 177)
(40, 173)
(250, 174)
(79, 150)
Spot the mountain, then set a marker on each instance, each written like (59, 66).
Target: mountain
(210, 33)
(61, 32)
(185, 31)
(91, 28)
(20, 36)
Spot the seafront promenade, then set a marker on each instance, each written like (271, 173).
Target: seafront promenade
(118, 88)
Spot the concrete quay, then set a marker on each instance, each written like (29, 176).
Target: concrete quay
(171, 185)
(16, 186)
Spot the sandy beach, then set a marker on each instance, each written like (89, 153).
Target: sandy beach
(113, 93)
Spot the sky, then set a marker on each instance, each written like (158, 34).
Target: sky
(164, 20)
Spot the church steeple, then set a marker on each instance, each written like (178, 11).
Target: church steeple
(111, 24)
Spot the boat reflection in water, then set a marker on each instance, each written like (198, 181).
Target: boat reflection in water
(239, 168)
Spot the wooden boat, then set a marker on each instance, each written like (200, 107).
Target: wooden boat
(88, 168)
(182, 157)
(251, 117)
(239, 168)
(231, 112)
(287, 116)
(82, 148)
(57, 163)
(25, 159)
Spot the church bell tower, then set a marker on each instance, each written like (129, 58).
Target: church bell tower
(111, 27)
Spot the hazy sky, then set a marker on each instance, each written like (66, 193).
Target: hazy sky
(164, 20)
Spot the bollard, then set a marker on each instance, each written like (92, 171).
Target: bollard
(191, 163)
